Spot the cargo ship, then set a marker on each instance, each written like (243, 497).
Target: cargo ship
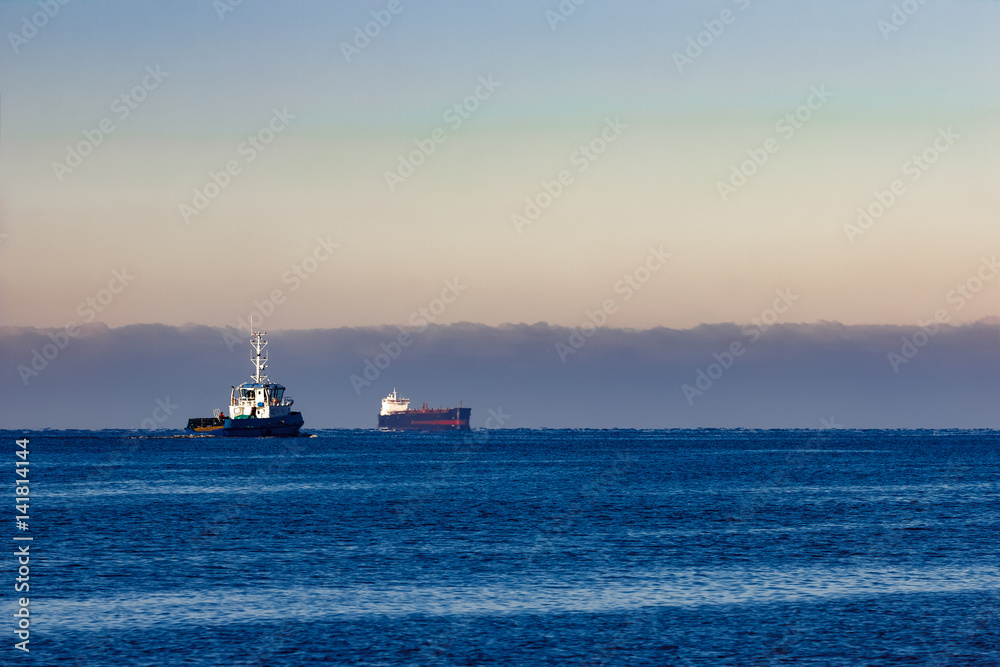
(397, 416)
(257, 408)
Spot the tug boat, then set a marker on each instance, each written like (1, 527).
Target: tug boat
(257, 408)
(397, 416)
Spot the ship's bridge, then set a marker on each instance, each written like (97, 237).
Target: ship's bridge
(394, 403)
(250, 393)
(258, 399)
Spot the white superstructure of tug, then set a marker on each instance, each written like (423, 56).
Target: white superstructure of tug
(260, 398)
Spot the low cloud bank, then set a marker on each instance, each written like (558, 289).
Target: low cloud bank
(791, 375)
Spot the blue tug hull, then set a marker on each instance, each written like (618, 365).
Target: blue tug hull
(251, 427)
(254, 427)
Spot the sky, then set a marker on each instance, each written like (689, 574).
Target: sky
(635, 165)
(554, 87)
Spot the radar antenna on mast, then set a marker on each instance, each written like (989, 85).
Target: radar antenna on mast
(257, 354)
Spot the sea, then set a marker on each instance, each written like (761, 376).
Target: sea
(505, 547)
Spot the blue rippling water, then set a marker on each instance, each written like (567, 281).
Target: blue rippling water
(708, 547)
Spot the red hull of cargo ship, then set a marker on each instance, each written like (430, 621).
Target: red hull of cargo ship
(427, 419)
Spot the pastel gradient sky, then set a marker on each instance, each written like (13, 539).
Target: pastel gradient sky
(656, 184)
